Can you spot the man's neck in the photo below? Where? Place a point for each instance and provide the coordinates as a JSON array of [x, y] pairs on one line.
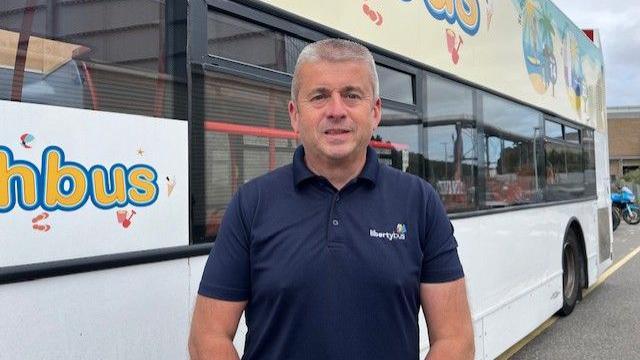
[[338, 173]]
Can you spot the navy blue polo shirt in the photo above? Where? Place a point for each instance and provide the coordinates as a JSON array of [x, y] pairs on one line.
[[331, 274]]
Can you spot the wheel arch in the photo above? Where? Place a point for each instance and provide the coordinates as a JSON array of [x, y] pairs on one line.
[[574, 224]]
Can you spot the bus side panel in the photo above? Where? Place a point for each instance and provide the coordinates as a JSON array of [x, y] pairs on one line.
[[605, 230], [77, 183], [197, 267], [136, 312], [511, 297]]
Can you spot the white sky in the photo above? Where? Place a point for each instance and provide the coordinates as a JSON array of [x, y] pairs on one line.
[[620, 36]]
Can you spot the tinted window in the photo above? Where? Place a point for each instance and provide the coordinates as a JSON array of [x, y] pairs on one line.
[[571, 135], [450, 133], [397, 141], [395, 85], [111, 56], [511, 162], [564, 173], [247, 42], [246, 134], [553, 130], [448, 100]]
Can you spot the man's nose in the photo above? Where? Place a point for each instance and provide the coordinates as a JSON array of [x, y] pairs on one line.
[[336, 108]]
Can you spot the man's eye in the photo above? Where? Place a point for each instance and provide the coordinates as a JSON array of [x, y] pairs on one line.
[[318, 97], [352, 96]]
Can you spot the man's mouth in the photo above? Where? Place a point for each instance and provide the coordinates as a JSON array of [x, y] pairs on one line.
[[336, 131]]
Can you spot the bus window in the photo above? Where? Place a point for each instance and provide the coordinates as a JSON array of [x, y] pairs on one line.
[[48, 77], [571, 134], [510, 151], [564, 171], [450, 132], [247, 42], [401, 130], [247, 133], [553, 130], [91, 62], [396, 85]]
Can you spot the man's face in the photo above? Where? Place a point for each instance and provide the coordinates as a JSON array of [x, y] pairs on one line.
[[335, 113]]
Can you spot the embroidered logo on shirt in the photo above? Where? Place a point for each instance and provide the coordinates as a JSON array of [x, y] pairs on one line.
[[400, 233]]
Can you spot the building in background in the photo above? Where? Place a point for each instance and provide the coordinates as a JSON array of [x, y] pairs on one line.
[[624, 139]]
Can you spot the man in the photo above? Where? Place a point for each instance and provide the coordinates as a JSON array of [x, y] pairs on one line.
[[332, 255]]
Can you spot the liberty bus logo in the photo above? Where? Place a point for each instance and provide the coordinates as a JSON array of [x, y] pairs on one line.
[[400, 233]]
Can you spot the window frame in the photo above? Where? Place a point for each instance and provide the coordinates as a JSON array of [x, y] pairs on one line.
[[271, 17]]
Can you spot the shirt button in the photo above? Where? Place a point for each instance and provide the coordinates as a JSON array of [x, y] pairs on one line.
[[335, 222]]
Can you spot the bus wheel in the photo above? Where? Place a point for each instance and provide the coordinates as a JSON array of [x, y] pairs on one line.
[[571, 270]]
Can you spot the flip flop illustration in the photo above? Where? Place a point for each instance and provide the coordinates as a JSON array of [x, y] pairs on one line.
[[37, 225], [375, 16]]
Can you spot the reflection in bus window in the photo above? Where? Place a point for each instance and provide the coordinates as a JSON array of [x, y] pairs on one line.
[[511, 153], [452, 164], [571, 134], [564, 172], [49, 77], [90, 62], [450, 132], [447, 99], [395, 85], [240, 40], [553, 130], [401, 129], [247, 134]]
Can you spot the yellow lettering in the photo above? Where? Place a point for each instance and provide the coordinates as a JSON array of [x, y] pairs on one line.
[[55, 175], [143, 190], [118, 192], [440, 5], [470, 19], [26, 175]]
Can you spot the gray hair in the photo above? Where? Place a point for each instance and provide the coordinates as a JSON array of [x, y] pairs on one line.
[[334, 50]]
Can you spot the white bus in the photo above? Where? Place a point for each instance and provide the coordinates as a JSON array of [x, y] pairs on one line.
[[127, 126]]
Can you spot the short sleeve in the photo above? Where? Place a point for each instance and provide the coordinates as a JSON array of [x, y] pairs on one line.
[[226, 275], [440, 261]]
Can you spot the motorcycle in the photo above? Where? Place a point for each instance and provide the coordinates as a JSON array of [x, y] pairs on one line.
[[624, 201]]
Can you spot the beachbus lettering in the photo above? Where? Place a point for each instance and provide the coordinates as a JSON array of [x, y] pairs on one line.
[[465, 12], [66, 185]]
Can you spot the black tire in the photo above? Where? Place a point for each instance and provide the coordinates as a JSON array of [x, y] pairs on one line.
[[631, 217], [571, 272], [615, 216]]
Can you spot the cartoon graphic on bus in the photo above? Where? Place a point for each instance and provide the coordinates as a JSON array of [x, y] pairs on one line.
[[538, 32], [373, 15], [573, 72]]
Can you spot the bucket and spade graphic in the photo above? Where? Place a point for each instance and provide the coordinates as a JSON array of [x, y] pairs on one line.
[[123, 219], [454, 49]]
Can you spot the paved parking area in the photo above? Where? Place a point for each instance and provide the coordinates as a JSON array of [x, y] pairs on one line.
[[606, 324]]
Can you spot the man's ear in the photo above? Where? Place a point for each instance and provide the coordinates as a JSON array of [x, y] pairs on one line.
[[377, 113], [293, 116]]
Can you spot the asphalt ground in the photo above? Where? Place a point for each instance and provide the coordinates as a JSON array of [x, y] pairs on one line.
[[606, 323]]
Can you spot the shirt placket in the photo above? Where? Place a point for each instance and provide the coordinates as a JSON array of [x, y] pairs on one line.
[[334, 226]]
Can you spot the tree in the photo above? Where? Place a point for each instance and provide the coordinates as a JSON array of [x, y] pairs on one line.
[[632, 176]]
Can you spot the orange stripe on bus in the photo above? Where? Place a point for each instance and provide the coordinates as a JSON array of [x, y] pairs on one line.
[[267, 132]]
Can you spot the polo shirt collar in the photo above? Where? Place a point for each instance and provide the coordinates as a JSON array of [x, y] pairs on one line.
[[301, 172]]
